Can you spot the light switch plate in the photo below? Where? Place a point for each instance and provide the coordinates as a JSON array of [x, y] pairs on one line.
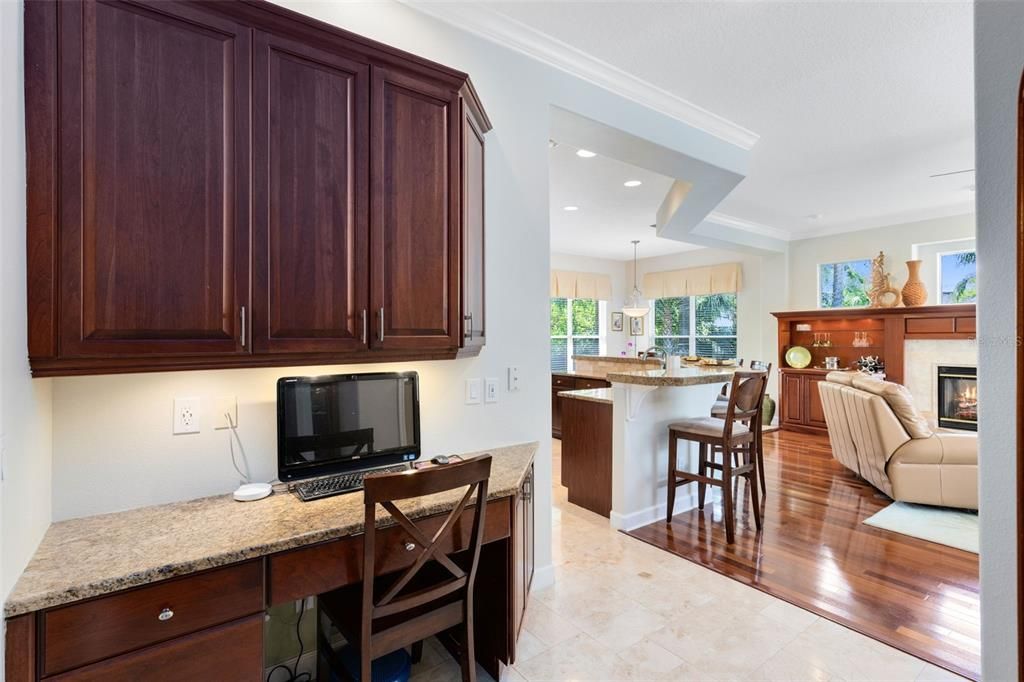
[[473, 391], [186, 415], [226, 406], [491, 390]]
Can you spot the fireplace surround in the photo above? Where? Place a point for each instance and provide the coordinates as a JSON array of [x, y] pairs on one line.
[[957, 398]]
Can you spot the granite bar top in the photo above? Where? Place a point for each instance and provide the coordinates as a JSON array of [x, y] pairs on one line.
[[582, 375], [597, 395], [624, 359], [96, 555], [682, 376]]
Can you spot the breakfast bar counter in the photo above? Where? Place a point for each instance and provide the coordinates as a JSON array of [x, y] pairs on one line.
[[644, 403]]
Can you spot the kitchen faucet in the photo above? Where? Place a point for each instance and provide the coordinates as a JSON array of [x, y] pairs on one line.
[[658, 352]]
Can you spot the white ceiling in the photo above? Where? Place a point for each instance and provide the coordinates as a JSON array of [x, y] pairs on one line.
[[610, 215], [856, 105]]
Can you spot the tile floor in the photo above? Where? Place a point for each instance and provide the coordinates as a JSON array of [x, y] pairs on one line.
[[620, 609]]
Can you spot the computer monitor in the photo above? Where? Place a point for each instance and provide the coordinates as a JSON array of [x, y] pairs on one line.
[[333, 424]]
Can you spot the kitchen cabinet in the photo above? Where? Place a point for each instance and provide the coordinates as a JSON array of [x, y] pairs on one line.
[[312, 181], [568, 382], [522, 551], [151, 252], [236, 185]]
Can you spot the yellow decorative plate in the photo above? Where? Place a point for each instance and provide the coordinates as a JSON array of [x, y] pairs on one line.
[[798, 357]]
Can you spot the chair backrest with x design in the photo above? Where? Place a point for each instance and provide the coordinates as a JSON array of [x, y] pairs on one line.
[[385, 490]]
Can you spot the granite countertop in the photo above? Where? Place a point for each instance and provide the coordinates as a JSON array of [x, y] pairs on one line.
[[683, 376], [96, 555], [625, 359], [597, 395], [581, 375]]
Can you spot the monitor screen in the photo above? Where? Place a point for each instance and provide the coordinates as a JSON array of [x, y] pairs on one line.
[[332, 424]]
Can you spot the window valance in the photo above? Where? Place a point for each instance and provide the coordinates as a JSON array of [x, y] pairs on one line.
[[568, 284], [724, 278]]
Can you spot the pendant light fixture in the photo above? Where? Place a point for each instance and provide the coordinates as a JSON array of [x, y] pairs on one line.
[[635, 306]]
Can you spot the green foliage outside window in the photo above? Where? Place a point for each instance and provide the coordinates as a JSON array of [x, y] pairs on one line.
[[844, 285]]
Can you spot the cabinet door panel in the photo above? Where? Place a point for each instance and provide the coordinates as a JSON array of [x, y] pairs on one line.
[[154, 177], [415, 227], [311, 230], [473, 322], [792, 398], [815, 410]]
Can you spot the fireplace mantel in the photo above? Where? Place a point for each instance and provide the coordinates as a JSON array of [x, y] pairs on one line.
[[888, 329]]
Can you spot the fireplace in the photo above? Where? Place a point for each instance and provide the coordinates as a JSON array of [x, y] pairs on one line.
[[958, 398]]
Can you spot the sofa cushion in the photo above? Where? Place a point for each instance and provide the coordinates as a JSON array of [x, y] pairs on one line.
[[944, 448], [844, 378], [901, 402]]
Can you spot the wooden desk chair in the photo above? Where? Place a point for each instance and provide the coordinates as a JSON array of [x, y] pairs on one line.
[[722, 403], [435, 594], [728, 435]]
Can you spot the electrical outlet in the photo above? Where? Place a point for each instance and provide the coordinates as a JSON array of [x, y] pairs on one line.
[[491, 390], [473, 389], [513, 379], [226, 408], [186, 415]]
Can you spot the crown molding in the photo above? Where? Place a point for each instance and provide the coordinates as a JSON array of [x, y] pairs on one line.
[[499, 28], [748, 226], [889, 220]]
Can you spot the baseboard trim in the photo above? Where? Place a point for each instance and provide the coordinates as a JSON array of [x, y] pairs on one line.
[[684, 502], [543, 576]]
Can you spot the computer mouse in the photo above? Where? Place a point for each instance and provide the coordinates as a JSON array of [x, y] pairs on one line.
[[440, 459]]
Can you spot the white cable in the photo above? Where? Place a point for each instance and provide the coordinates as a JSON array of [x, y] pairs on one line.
[[247, 477]]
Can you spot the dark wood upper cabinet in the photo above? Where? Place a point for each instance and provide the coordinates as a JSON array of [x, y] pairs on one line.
[[310, 229], [231, 184], [153, 217], [415, 212], [474, 330]]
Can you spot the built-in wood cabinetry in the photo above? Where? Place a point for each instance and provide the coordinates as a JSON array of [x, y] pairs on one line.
[[568, 382], [522, 554], [232, 184], [886, 331]]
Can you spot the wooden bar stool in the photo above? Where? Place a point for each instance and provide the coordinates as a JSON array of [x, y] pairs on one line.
[[728, 435], [718, 410], [387, 612]]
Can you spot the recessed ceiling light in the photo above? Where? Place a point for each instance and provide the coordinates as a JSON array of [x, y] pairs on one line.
[[570, 208], [632, 183], [585, 154]]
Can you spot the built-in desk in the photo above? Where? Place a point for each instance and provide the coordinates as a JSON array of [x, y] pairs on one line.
[[178, 591]]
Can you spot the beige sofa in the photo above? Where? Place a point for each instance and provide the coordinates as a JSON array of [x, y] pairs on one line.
[[876, 432]]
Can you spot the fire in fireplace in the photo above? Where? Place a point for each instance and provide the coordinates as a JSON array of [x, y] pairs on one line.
[[958, 398]]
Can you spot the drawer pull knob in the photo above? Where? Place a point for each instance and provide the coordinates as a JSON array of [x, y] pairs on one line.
[[166, 614], [410, 546]]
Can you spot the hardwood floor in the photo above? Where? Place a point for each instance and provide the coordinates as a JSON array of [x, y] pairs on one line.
[[816, 553]]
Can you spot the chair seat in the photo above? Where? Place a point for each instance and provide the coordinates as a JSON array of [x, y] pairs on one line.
[[707, 426]]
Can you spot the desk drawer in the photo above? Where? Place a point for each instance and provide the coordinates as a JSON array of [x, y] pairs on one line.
[[228, 653], [100, 628], [329, 565]]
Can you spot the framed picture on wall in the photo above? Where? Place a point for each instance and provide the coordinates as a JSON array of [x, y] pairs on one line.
[[636, 326], [617, 322]]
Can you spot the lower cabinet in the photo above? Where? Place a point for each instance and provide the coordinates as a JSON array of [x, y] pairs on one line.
[[568, 382], [228, 653], [587, 454], [522, 554], [799, 402]]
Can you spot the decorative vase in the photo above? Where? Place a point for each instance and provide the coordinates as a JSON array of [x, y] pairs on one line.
[[768, 410], [914, 293]]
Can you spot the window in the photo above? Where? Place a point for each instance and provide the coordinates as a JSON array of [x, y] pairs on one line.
[[576, 329], [958, 277], [844, 285], [697, 325]]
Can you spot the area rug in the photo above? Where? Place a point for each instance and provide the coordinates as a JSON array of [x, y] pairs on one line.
[[949, 527]]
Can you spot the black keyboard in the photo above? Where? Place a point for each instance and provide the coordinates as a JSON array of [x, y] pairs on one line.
[[337, 485]]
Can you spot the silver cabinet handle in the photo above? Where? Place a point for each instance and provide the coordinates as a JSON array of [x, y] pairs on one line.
[[166, 614], [364, 326], [409, 546], [380, 336], [469, 318], [241, 315]]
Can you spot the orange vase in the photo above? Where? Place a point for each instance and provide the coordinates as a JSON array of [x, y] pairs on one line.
[[914, 293]]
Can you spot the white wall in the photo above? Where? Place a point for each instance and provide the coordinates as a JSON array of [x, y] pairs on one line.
[[616, 269], [113, 447], [999, 57], [897, 241], [24, 402]]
